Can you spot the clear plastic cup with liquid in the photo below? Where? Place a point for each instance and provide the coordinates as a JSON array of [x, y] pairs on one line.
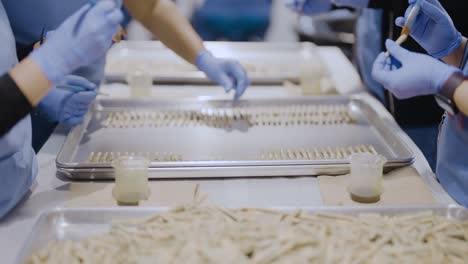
[[140, 83], [311, 71], [366, 177], [131, 179]]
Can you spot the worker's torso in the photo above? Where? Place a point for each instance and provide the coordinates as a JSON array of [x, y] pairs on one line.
[[452, 158], [18, 166], [28, 18], [8, 143], [7, 59]]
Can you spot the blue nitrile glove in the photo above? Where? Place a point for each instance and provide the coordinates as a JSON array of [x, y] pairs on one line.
[[310, 7], [407, 74], [433, 29], [228, 73], [69, 101], [65, 51]]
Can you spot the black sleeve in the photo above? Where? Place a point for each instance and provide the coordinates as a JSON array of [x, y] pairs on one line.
[[13, 104], [22, 51]]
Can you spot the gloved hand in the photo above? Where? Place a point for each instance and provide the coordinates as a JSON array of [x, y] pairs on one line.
[[228, 73], [433, 29], [407, 74], [69, 101], [66, 51], [313, 7]]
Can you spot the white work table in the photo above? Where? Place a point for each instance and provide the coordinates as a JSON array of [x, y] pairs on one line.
[[51, 191]]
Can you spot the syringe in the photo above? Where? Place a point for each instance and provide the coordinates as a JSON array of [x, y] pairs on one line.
[[405, 32]]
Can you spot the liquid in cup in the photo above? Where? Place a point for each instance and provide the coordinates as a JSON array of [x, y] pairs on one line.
[[131, 180], [366, 177], [311, 72], [140, 83]]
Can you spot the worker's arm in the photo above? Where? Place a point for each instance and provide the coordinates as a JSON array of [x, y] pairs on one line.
[[31, 80], [461, 98], [27, 86], [66, 51], [164, 20], [22, 88], [456, 57]]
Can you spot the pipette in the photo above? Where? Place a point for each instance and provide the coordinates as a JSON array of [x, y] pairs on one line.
[[405, 32]]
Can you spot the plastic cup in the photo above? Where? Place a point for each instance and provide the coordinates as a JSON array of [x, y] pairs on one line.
[[311, 72], [140, 83], [131, 180], [366, 177]]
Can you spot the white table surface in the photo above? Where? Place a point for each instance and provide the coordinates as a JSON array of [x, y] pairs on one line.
[[50, 191]]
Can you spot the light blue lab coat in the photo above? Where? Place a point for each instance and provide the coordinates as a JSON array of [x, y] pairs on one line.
[[18, 165], [452, 156]]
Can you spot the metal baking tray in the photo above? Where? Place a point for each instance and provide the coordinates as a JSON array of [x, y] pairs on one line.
[[251, 145], [80, 223], [266, 63]]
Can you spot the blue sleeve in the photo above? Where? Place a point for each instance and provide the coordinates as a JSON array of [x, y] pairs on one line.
[[18, 165]]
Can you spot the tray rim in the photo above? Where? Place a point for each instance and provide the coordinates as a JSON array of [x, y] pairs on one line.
[[70, 167], [60, 211], [311, 209], [197, 76]]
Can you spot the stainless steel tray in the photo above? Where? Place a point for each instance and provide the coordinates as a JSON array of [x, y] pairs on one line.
[[266, 63], [269, 137], [79, 223]]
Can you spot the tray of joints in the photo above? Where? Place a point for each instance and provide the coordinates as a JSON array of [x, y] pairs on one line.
[[216, 138]]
